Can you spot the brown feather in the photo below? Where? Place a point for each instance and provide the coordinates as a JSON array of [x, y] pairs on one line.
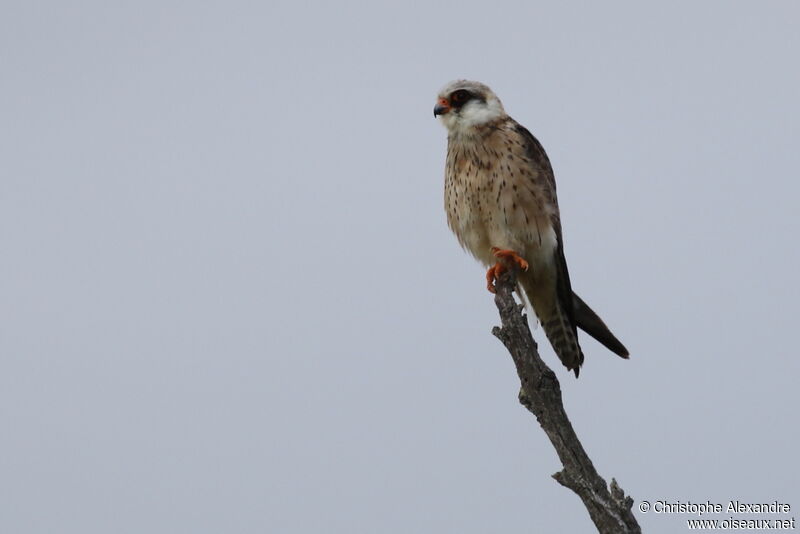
[[500, 191]]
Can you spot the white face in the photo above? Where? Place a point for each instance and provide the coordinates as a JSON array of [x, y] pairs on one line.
[[464, 105]]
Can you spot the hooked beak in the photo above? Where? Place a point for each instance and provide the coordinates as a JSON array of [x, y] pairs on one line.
[[441, 107]]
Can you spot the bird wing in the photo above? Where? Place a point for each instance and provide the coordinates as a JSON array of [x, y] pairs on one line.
[[538, 157], [578, 313]]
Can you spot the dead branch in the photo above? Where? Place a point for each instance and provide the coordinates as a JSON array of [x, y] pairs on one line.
[[540, 393]]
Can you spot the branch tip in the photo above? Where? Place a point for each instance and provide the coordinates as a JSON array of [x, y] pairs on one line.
[[540, 393]]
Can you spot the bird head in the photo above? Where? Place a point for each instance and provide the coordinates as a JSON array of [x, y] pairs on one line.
[[464, 104]]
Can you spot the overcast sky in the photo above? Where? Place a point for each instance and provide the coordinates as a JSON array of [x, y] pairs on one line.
[[229, 300]]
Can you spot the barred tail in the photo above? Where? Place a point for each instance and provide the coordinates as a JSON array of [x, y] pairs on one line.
[[563, 336], [556, 322]]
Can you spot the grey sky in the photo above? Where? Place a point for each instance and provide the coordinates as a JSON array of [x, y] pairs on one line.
[[229, 301]]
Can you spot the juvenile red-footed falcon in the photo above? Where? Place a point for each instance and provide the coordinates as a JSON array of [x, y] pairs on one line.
[[500, 197]]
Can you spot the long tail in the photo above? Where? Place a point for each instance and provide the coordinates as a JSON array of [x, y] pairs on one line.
[[557, 323], [563, 336], [588, 321]]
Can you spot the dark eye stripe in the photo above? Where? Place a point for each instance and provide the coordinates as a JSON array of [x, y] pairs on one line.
[[462, 96]]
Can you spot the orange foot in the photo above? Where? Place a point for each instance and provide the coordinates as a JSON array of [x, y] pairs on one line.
[[493, 274], [507, 258]]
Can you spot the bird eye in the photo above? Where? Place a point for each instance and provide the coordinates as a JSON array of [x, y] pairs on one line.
[[459, 96]]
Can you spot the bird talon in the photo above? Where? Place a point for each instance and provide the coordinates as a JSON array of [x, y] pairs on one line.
[[492, 275], [510, 257]]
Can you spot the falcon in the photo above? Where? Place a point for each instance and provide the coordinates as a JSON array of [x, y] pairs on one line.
[[500, 198]]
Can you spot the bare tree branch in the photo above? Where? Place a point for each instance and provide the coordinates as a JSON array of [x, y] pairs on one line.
[[609, 508]]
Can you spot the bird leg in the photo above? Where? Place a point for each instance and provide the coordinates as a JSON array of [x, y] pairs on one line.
[[508, 260], [510, 257]]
